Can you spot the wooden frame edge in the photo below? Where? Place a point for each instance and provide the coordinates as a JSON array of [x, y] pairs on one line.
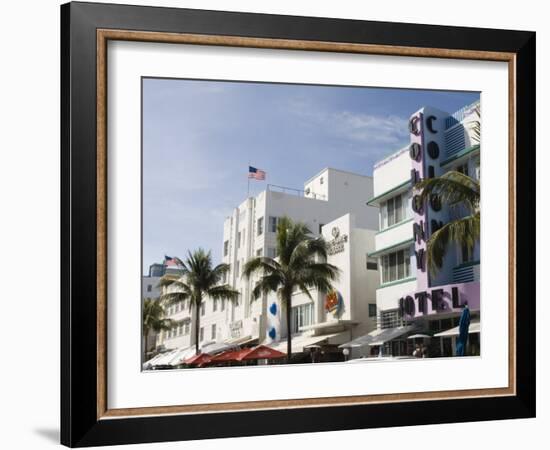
[[103, 35]]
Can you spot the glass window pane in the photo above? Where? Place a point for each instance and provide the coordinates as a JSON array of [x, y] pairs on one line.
[[391, 212], [398, 209], [393, 267], [400, 265]]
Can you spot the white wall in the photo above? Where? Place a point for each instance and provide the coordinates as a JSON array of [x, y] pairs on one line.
[[391, 171], [30, 402]]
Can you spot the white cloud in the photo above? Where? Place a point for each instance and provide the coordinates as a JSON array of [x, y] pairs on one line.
[[388, 130]]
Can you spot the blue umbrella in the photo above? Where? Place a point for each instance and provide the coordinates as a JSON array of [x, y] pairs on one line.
[[463, 326]]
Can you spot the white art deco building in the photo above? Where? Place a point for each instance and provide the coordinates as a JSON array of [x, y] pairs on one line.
[[332, 203]]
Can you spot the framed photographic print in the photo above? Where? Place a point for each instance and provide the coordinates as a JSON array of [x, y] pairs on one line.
[[283, 220]]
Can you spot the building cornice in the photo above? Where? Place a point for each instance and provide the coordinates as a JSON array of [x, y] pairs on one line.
[[394, 190], [391, 247]]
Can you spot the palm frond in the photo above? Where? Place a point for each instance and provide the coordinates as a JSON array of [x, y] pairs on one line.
[[260, 264], [223, 292], [306, 250], [452, 188], [266, 284], [464, 232]]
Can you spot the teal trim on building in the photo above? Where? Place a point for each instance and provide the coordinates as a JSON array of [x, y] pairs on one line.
[[460, 154], [393, 283], [395, 225], [388, 192], [391, 247]]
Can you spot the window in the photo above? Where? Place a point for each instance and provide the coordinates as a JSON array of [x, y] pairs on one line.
[[394, 210], [225, 248], [180, 330], [213, 332], [273, 224], [321, 180], [149, 287], [238, 268], [271, 252], [372, 309], [396, 266], [203, 309], [260, 226], [321, 225], [391, 319], [215, 304], [301, 316], [372, 263], [223, 304], [259, 252], [186, 328], [239, 239], [226, 274], [201, 334]]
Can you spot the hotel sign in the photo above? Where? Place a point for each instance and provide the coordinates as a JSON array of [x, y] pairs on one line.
[[337, 244], [440, 299]]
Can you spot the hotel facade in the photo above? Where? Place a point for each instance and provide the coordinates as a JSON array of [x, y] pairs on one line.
[[410, 301]]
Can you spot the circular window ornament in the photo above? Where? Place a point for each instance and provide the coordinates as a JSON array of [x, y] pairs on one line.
[[414, 151], [414, 125], [433, 150]]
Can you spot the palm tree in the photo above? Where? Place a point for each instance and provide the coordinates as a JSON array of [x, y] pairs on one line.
[[458, 191], [199, 280], [153, 320], [299, 266]]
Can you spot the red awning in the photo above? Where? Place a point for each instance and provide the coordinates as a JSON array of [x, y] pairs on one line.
[[259, 352], [228, 355], [201, 358]]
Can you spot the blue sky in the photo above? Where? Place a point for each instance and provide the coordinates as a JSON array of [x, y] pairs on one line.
[[199, 137]]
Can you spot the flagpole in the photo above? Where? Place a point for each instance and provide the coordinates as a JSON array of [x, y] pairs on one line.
[[248, 181]]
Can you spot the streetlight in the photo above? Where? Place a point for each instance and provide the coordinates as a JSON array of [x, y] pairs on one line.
[[345, 351]]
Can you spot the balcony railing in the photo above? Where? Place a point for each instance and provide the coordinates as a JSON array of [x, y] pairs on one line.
[[296, 192]]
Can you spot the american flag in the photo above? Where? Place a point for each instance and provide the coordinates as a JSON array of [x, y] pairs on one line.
[[173, 262], [257, 174]]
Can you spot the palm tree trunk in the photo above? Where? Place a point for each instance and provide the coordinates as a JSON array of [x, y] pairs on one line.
[[288, 330], [197, 327]]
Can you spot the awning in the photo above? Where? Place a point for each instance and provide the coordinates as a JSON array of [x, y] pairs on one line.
[[299, 343], [180, 355], [420, 336], [197, 360], [259, 352], [379, 336], [217, 347], [161, 360], [244, 340], [474, 328], [228, 355]]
